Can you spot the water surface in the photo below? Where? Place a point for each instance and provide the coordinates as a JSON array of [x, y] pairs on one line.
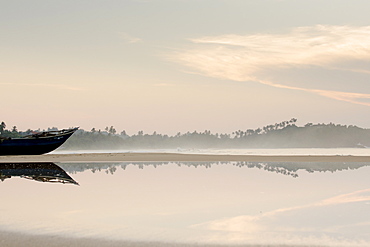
[[240, 151], [324, 204]]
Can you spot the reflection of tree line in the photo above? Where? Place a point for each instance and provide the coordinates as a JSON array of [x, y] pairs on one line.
[[284, 168], [267, 167]]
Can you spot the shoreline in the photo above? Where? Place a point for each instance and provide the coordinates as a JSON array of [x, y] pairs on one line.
[[175, 157]]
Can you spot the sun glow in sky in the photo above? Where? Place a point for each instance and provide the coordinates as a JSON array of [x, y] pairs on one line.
[[183, 65]]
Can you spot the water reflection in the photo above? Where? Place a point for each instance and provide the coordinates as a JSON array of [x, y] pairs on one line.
[[231, 203], [38, 171], [283, 168]]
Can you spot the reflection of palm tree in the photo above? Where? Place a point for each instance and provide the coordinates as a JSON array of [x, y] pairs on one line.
[[266, 167]]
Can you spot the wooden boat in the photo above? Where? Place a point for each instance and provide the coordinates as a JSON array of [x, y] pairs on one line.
[[39, 143], [38, 171]]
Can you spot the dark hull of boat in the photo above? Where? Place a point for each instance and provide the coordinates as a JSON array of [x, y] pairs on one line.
[[32, 146], [39, 171]]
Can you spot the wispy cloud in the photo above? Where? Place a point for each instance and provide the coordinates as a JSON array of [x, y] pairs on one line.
[[259, 57], [128, 38], [355, 98]]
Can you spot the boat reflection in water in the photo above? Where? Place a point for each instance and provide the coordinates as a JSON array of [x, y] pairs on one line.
[[39, 171]]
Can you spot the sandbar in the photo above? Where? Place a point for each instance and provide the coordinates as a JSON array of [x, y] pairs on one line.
[[176, 157]]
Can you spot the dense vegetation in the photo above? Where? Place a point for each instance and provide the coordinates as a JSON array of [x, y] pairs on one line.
[[279, 135], [14, 133]]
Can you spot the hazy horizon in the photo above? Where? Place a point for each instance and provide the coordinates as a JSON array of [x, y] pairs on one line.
[[175, 66]]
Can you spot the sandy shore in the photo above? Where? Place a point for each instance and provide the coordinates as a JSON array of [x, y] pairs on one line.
[[118, 157]]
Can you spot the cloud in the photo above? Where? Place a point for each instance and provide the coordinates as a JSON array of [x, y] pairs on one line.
[[355, 98], [265, 58], [129, 38]]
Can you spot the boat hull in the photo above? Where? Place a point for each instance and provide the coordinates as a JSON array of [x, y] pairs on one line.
[[38, 171], [32, 146]]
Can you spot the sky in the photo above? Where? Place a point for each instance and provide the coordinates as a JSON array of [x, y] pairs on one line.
[[183, 65]]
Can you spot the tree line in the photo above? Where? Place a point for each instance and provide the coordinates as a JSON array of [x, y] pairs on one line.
[[285, 134], [14, 133]]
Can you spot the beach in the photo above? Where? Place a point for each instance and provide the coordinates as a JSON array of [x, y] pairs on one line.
[[168, 157]]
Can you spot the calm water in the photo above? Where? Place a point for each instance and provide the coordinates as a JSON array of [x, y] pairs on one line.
[[254, 151], [326, 204]]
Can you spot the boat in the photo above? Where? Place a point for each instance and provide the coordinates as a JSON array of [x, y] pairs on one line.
[[38, 171], [35, 144]]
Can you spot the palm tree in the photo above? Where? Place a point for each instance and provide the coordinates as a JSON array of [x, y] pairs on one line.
[[112, 130], [293, 121], [2, 127]]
